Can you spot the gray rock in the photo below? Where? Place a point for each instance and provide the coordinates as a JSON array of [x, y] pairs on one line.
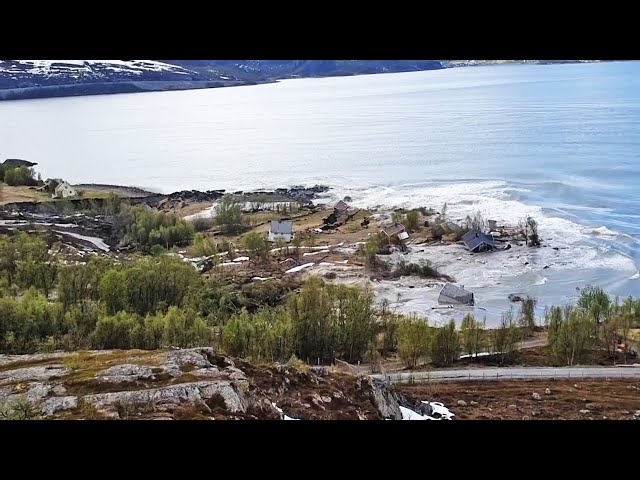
[[326, 399], [198, 357], [37, 391], [536, 396], [338, 394], [125, 373], [474, 403], [547, 391], [592, 406], [235, 373], [383, 398], [55, 404], [6, 391], [206, 372], [512, 407], [42, 372], [585, 411], [59, 390], [636, 413], [233, 398], [462, 403]]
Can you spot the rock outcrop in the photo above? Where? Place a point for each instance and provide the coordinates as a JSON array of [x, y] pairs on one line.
[[189, 383]]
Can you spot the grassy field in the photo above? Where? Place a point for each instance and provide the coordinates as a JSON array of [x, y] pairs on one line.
[[10, 194]]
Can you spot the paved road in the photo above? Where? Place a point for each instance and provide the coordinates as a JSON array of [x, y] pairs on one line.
[[516, 372]]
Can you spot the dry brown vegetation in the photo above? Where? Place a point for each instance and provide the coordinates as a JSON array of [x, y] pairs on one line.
[[615, 399]]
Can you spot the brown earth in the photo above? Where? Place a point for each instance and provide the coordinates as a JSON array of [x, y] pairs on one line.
[[9, 194], [615, 399]]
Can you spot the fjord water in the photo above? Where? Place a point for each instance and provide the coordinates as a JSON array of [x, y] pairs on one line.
[[559, 142]]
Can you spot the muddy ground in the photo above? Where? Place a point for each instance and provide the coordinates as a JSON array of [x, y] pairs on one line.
[[615, 399]]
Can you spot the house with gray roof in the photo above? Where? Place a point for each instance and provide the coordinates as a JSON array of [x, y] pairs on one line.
[[476, 241], [281, 230], [451, 294]]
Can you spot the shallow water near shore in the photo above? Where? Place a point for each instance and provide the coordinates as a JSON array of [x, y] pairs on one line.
[[558, 142]]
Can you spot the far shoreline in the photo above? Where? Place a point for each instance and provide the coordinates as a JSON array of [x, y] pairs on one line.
[[127, 87]]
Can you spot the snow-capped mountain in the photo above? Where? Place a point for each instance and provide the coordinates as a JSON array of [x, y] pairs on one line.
[[34, 73]]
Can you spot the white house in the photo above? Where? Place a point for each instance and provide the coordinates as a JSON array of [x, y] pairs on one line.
[[64, 190], [281, 230]]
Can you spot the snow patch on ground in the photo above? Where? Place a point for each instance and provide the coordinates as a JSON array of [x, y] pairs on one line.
[[299, 268]]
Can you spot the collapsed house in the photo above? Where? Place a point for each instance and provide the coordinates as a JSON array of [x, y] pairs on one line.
[[476, 241], [340, 215], [451, 294], [281, 230], [395, 234]]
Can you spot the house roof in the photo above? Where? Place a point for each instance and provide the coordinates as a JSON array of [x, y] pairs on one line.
[[456, 293], [395, 230], [475, 238], [283, 227], [341, 206]]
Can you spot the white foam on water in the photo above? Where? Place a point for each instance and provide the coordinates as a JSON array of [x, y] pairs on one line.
[[491, 198]]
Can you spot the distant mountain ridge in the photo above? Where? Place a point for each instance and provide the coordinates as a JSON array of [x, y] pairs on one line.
[[22, 79]]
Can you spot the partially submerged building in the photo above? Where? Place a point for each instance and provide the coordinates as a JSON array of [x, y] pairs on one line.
[[451, 294], [394, 234], [281, 230], [476, 241]]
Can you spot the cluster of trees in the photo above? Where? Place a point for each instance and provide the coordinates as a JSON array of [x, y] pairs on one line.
[[97, 304], [418, 342], [322, 321], [17, 175], [229, 216], [595, 322], [528, 228], [33, 323], [147, 228], [25, 262]]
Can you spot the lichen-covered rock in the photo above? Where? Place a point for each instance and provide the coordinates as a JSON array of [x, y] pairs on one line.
[[37, 391], [196, 357], [233, 398], [55, 404], [42, 372], [5, 391], [125, 373]]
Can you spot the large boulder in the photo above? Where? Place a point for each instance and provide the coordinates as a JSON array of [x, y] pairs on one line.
[[382, 397]]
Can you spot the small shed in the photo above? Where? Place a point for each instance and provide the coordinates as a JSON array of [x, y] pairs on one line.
[[64, 190], [476, 241], [452, 294], [396, 232], [281, 230]]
